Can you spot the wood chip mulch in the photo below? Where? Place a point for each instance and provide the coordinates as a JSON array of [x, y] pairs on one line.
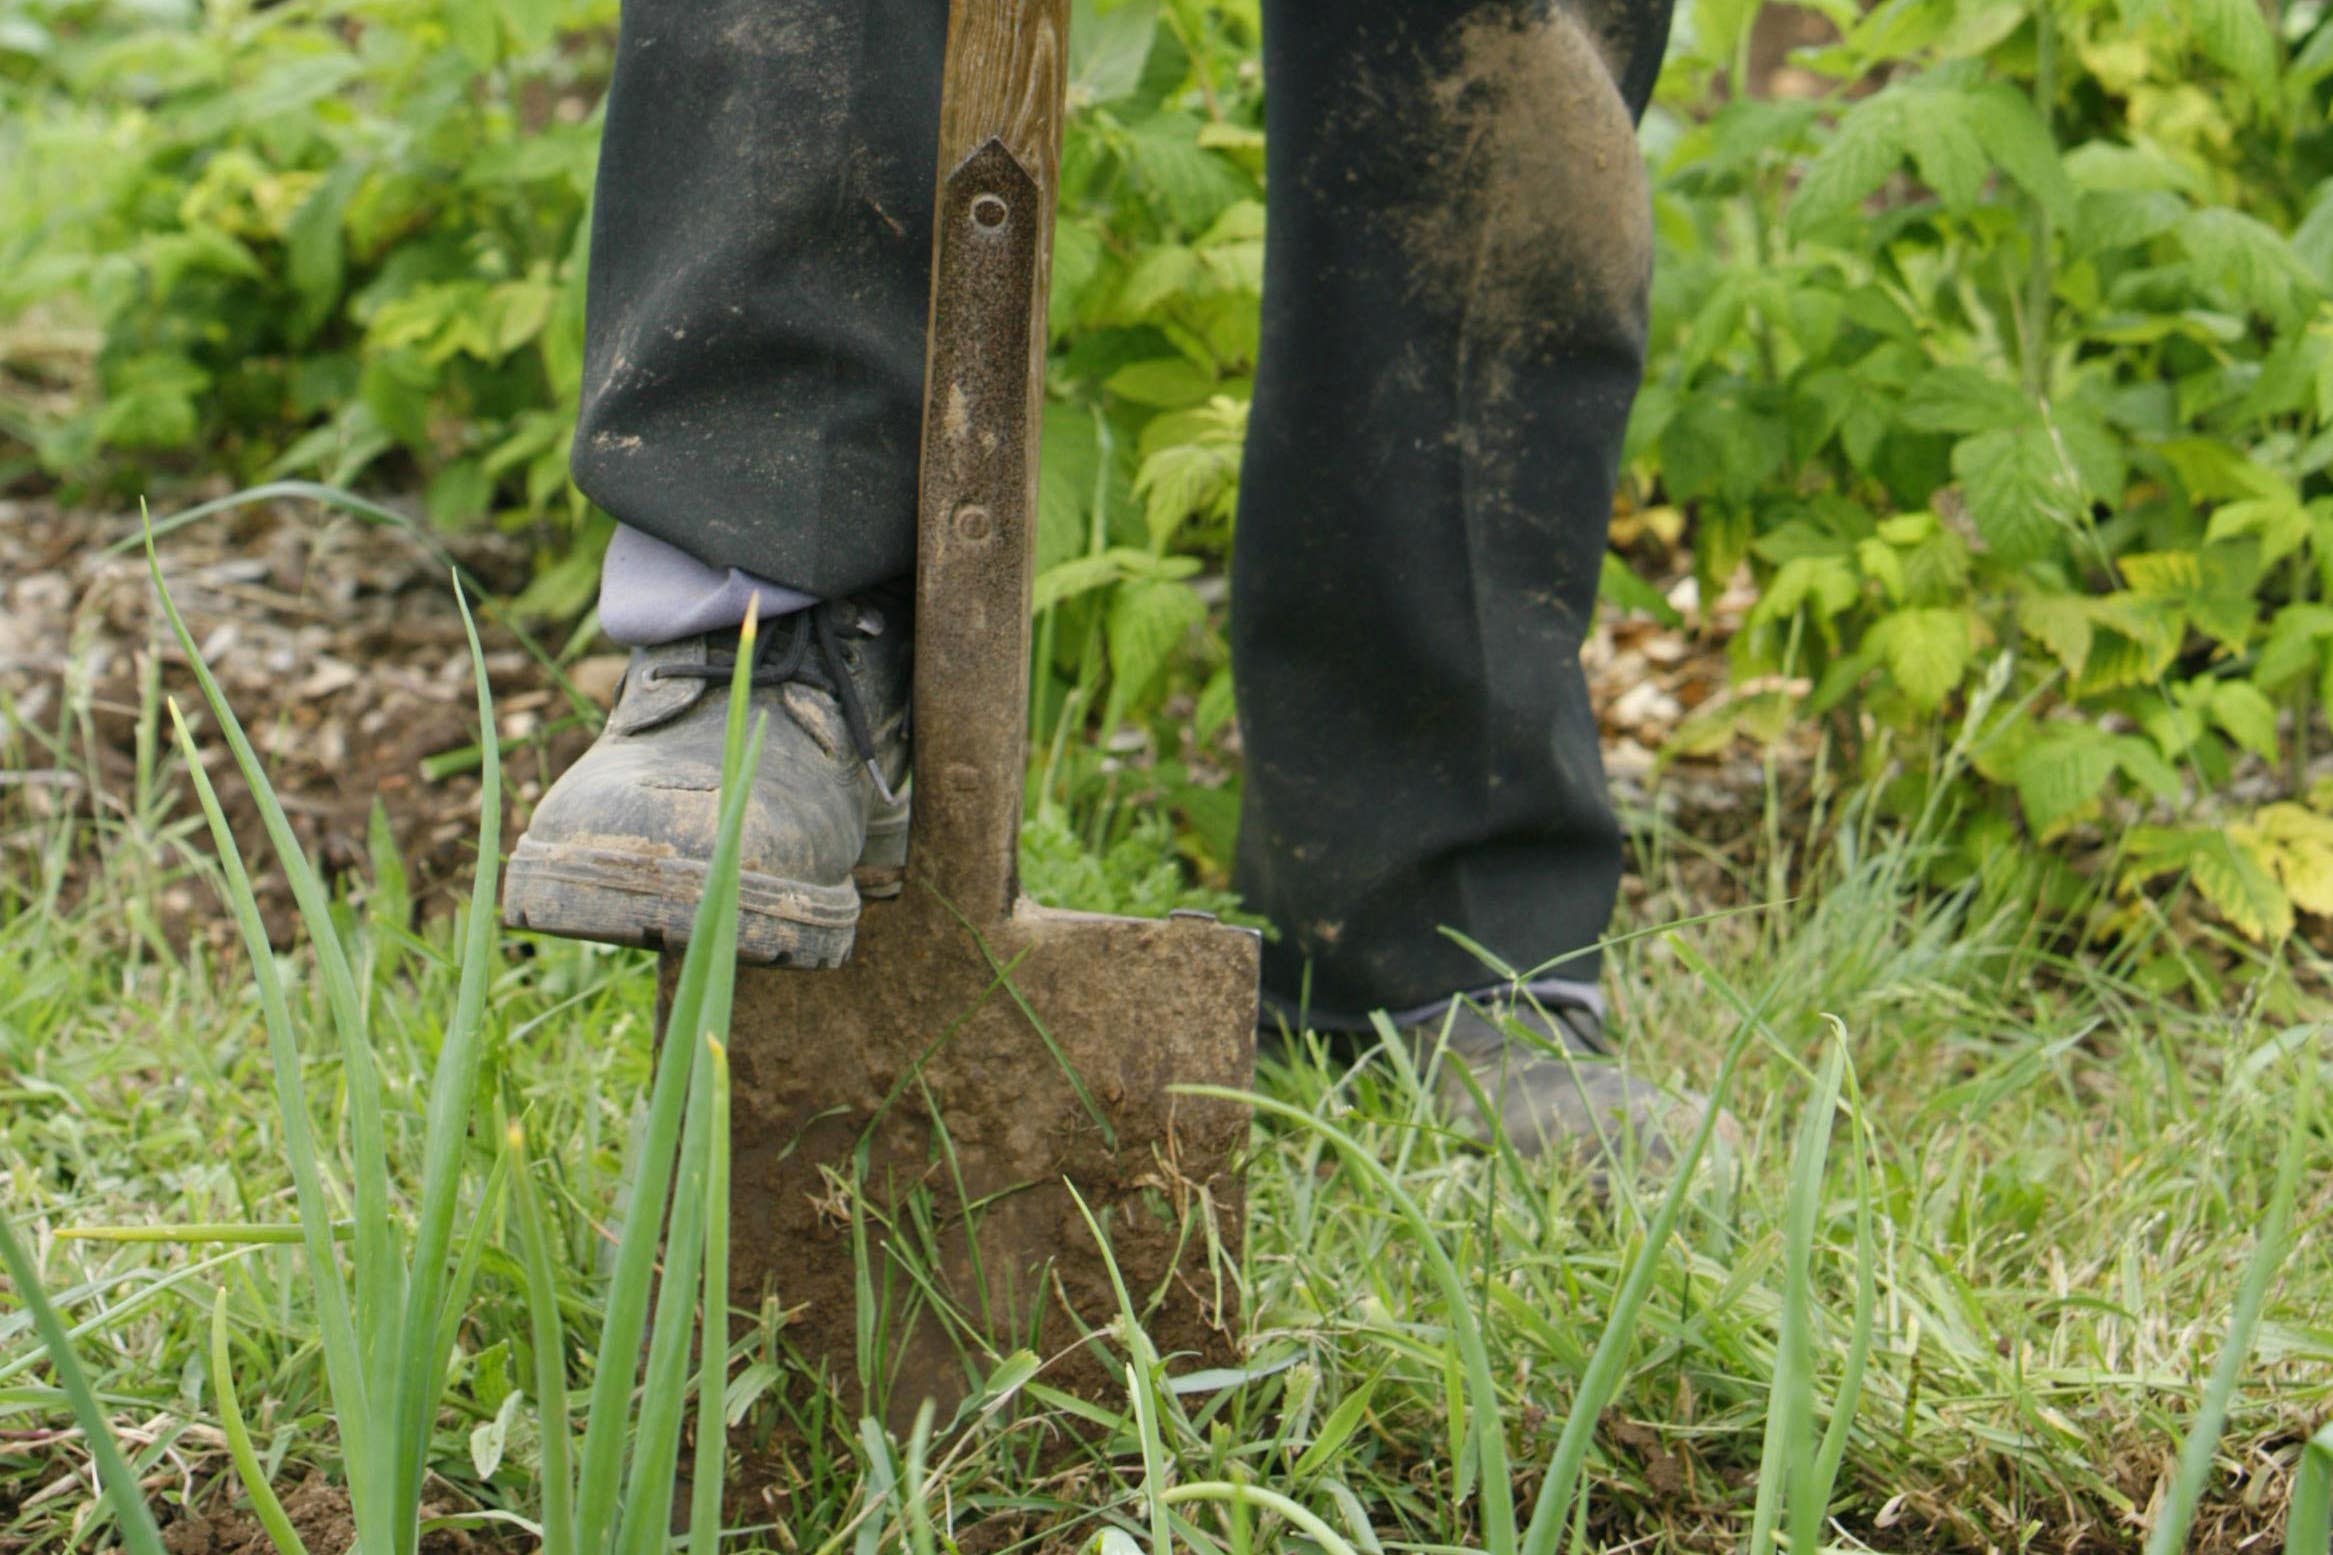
[[337, 642]]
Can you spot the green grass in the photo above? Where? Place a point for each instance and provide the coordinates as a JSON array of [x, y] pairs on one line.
[[1965, 1287]]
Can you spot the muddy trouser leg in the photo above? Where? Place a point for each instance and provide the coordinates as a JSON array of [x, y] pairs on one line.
[[1454, 329], [760, 275]]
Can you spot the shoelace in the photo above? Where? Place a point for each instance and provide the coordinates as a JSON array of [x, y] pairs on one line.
[[797, 664]]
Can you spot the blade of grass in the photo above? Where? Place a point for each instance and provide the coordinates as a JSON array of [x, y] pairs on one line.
[[919, 1509], [2308, 1522], [1602, 1377], [648, 1491], [2203, 1437], [1850, 1395], [129, 1501], [146, 1297], [877, 1489], [656, 1449], [550, 1342], [1792, 1425], [452, 1093], [264, 1505], [456, 1304], [1141, 1379], [626, 1318], [378, 1273], [1498, 1488], [627, 1311], [343, 1360], [713, 1370], [1304, 1521], [262, 1234]]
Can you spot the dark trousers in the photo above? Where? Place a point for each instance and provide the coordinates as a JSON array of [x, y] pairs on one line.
[[1453, 330]]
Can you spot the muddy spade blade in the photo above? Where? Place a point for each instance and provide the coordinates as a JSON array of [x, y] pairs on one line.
[[913, 1132]]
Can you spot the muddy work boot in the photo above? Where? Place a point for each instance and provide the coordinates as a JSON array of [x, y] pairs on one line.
[[1552, 1084], [618, 849]]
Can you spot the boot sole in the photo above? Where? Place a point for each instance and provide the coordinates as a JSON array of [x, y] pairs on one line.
[[624, 898]]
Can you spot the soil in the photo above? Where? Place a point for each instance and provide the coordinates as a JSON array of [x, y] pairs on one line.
[[319, 1513], [338, 643]]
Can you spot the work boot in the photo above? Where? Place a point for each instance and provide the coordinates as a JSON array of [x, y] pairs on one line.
[[1555, 1088], [619, 847]]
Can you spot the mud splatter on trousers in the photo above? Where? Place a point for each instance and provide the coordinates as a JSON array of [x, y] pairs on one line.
[[1453, 331]]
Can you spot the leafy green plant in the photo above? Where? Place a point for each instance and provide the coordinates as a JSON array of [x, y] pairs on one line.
[[2017, 339], [338, 238]]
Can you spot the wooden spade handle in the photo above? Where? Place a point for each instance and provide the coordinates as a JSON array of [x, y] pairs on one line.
[[984, 384], [1008, 64]]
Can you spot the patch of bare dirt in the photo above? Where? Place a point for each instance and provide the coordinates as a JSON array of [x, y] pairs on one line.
[[340, 646], [319, 1513]]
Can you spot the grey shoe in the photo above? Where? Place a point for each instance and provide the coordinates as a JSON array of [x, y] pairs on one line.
[[1549, 1078], [617, 850]]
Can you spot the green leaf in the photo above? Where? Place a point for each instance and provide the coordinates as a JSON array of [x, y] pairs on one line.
[[2236, 884], [1828, 583], [2017, 489], [1195, 185], [1148, 621], [2281, 523], [1191, 466], [2162, 574], [1167, 382], [2241, 888], [2062, 775], [1158, 275], [473, 27], [2022, 146], [1107, 50], [136, 1520], [2061, 624], [2294, 645], [531, 23], [315, 259], [2144, 765], [1869, 142], [1116, 565], [2234, 35], [1720, 25], [1334, 1432], [1926, 652], [1945, 147], [1619, 587], [2243, 262], [2245, 716], [1964, 400], [1883, 564], [2296, 845], [490, 1439], [1070, 460]]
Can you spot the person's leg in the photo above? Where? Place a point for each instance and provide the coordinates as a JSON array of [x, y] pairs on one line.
[[752, 405], [1454, 328], [760, 275]]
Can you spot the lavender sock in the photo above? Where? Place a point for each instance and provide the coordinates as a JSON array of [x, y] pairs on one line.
[[651, 592]]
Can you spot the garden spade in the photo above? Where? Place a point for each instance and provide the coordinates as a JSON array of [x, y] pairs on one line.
[[967, 1140]]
